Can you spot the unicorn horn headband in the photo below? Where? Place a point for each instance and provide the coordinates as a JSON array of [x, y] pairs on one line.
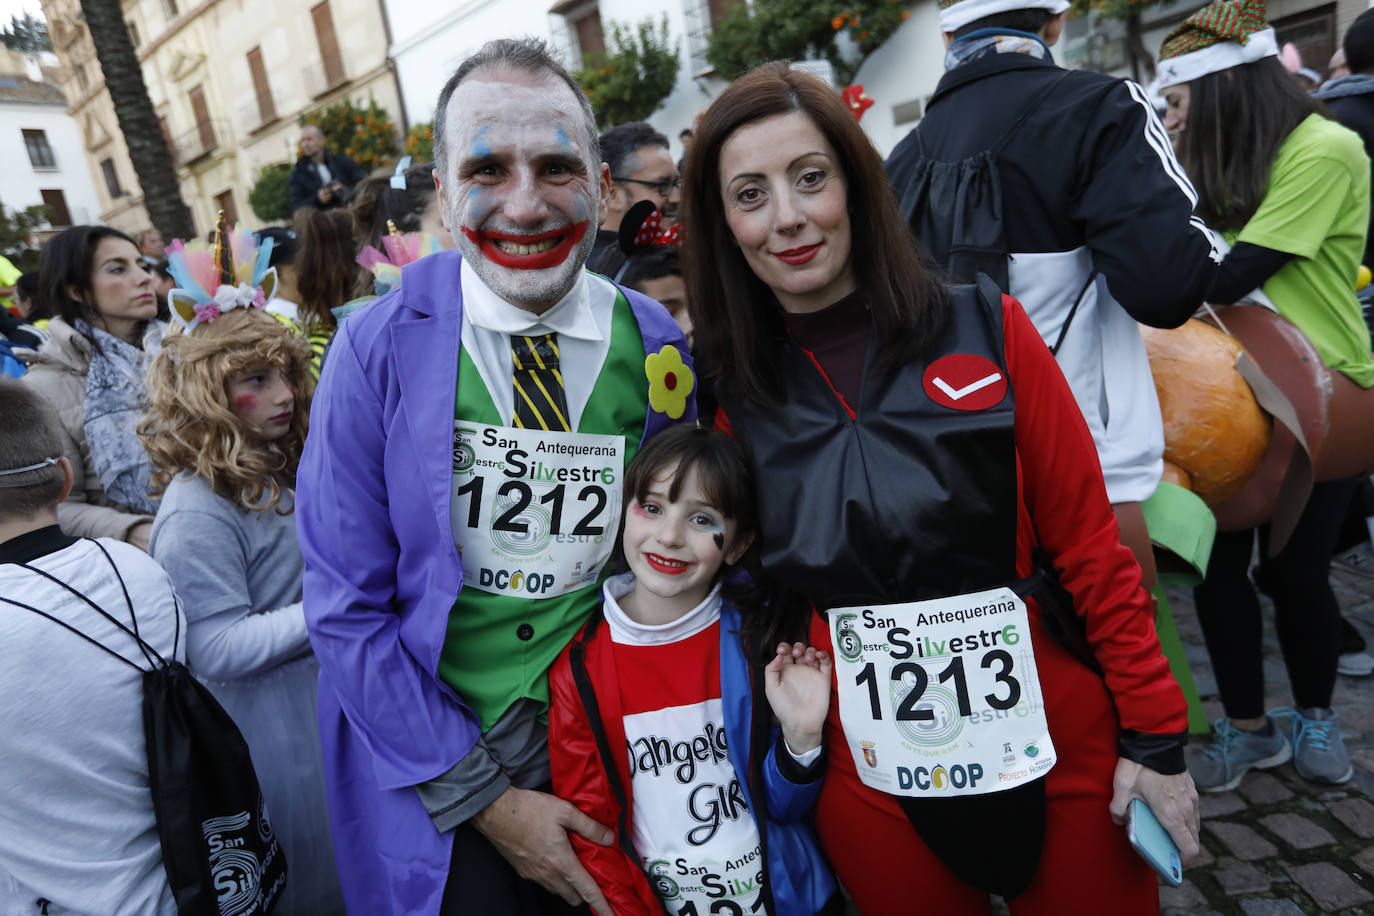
[[233, 271], [400, 249]]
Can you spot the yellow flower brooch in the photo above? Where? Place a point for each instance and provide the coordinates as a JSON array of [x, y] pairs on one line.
[[670, 381]]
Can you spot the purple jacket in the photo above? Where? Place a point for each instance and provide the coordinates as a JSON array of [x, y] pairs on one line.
[[382, 571]]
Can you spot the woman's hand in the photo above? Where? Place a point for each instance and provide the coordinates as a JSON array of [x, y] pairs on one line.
[[797, 684], [1173, 799], [138, 535]]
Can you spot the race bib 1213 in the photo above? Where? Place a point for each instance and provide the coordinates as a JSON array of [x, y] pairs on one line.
[[942, 698]]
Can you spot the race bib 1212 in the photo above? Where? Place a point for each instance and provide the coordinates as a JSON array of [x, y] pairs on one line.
[[535, 513]]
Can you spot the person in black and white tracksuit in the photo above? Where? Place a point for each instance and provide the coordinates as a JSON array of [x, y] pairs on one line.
[[1096, 212]]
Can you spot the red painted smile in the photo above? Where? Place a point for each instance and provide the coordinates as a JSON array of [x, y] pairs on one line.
[[666, 566], [528, 252], [798, 255]]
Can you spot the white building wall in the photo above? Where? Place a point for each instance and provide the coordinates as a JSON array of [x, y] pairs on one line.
[[20, 182], [429, 41]]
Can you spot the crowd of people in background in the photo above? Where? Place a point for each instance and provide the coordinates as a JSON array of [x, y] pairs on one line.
[[563, 525]]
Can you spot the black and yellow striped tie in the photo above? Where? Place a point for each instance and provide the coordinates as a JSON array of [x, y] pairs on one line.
[[540, 402]]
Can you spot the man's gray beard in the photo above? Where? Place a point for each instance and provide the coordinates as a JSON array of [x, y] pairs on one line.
[[524, 287]]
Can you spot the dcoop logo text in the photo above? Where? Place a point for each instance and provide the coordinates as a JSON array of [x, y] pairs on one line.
[[516, 581]]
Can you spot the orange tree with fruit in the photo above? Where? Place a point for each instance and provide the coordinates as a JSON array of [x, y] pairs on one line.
[[420, 142], [753, 33]]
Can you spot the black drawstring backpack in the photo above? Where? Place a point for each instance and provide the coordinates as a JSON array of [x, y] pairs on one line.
[[221, 855]]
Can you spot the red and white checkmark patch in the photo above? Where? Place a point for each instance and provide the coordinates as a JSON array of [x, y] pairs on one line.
[[962, 381]]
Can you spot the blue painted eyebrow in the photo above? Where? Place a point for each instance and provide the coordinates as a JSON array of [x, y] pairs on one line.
[[480, 147]]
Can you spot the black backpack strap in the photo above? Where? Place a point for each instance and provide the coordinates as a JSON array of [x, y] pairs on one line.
[[1057, 610], [991, 295], [150, 654], [577, 662], [66, 626], [1064, 329], [760, 738], [1025, 115]]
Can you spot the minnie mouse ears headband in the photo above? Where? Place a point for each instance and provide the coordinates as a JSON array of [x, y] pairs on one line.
[[641, 230], [642, 227], [212, 279]]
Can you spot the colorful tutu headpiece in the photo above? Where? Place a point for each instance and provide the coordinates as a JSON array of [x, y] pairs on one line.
[[213, 278]]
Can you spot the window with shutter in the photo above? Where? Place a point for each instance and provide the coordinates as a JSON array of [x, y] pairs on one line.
[[40, 153], [57, 207], [267, 108], [204, 129], [328, 42]]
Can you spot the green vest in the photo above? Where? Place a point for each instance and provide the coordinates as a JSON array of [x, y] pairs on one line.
[[499, 647]]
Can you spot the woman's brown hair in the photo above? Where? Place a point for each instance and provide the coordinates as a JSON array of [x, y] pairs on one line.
[[325, 267], [737, 320], [1238, 120], [189, 425]]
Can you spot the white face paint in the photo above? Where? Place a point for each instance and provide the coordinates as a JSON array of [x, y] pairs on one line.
[[520, 189]]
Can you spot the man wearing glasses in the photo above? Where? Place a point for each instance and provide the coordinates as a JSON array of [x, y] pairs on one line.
[[642, 168]]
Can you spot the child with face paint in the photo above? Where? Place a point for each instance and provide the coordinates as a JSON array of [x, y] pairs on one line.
[[666, 672], [230, 401]]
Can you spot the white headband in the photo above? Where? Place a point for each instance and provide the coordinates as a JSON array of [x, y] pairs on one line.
[[45, 463], [1214, 58]]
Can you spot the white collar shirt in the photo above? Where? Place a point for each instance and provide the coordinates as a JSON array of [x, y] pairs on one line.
[[581, 319]]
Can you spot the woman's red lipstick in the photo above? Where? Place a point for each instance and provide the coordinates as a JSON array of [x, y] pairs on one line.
[[568, 237], [798, 255]]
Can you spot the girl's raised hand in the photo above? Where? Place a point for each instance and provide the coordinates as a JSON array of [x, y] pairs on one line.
[[797, 684]]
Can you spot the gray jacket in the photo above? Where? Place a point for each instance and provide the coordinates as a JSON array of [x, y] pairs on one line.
[[58, 372]]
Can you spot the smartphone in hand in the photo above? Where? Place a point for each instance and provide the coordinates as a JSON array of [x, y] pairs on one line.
[[1153, 842]]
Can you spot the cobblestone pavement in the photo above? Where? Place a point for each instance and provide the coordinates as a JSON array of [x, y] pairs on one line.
[[1278, 844]]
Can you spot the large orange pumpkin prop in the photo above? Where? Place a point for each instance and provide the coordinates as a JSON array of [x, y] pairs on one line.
[[1214, 432]]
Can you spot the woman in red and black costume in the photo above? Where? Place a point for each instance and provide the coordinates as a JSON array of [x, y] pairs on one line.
[[915, 442]]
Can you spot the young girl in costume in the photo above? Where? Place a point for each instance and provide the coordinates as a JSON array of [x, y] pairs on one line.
[[1289, 188], [230, 400], [665, 672]]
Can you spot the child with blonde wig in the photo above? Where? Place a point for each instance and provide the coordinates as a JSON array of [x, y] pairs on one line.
[[230, 399]]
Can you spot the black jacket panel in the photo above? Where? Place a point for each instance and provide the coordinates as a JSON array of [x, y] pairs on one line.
[[1092, 168], [1357, 113]]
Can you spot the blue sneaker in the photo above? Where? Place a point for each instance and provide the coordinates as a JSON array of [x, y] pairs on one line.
[[1222, 764], [1319, 753]]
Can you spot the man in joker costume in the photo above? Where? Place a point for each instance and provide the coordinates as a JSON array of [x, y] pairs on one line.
[[458, 500]]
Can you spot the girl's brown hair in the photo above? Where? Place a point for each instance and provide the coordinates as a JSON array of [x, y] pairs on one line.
[[722, 471], [189, 426], [737, 320], [325, 267]]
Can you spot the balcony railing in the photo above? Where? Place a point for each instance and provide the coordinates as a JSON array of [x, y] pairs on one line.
[[252, 114], [199, 141], [316, 78]]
